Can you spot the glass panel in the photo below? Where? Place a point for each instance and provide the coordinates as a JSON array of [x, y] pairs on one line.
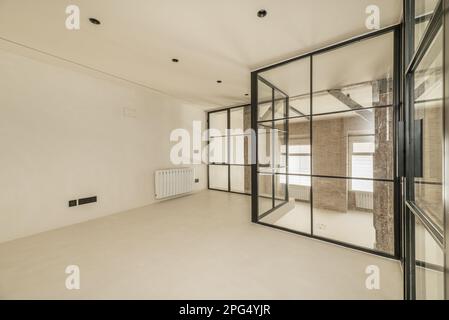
[[364, 219], [280, 105], [218, 177], [265, 100], [218, 150], [240, 120], [423, 12], [299, 106], [356, 144], [265, 193], [218, 124], [265, 147], [279, 148], [295, 215], [429, 265], [237, 120], [299, 160], [293, 79], [355, 76], [280, 191], [429, 117], [241, 179], [240, 149]]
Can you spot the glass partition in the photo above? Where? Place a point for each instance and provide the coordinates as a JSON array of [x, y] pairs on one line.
[[326, 145], [425, 220], [424, 10], [429, 265], [428, 117], [229, 150]]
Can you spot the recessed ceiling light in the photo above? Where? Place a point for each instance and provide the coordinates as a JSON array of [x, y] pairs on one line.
[[94, 21], [246, 94], [219, 81], [175, 60], [262, 13]]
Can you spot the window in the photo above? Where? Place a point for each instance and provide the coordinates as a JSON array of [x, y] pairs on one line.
[[362, 162], [299, 162]]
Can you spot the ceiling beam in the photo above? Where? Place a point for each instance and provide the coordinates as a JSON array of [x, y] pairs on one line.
[[349, 102], [432, 79], [299, 112]]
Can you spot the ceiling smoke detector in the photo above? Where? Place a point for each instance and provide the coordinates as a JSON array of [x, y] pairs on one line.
[[94, 21]]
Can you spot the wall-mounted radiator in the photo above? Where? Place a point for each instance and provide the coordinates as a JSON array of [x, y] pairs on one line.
[[364, 200], [300, 193], [173, 182]]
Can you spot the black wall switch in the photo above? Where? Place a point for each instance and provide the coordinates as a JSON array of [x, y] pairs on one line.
[[197, 180], [73, 203]]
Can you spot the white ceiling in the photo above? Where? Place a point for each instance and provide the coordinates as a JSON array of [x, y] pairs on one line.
[[214, 40], [359, 62]]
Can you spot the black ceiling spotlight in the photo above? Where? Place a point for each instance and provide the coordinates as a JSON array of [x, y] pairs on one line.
[[175, 60], [246, 94], [219, 81], [94, 21], [262, 13]]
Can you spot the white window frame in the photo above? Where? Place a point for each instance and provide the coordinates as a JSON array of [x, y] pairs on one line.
[[351, 141], [283, 178]]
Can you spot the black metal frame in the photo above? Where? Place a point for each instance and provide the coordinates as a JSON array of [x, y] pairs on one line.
[[396, 30], [412, 212], [228, 164], [446, 145]]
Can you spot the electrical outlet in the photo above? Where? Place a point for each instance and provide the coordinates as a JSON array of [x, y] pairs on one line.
[[73, 203], [197, 180]]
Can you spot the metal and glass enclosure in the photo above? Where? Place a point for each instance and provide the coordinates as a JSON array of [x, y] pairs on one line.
[[324, 161], [425, 93], [349, 145], [229, 167]]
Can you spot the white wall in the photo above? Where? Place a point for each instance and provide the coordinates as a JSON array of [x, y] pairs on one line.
[[64, 135]]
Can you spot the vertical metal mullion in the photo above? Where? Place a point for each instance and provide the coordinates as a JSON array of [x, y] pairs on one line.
[[287, 147], [208, 150], [228, 135], [446, 142], [409, 268], [254, 149], [273, 156], [311, 144], [396, 106]]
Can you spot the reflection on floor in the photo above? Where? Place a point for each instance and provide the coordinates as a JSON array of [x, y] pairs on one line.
[[430, 265], [354, 227], [197, 247]]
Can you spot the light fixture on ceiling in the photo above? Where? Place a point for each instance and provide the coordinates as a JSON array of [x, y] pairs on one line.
[[246, 94], [219, 81], [262, 13], [175, 60], [94, 21]]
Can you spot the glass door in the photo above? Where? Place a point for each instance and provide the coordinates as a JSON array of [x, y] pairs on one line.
[[272, 162], [424, 225]]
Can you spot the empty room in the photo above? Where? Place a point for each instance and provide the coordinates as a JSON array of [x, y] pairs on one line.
[[224, 150]]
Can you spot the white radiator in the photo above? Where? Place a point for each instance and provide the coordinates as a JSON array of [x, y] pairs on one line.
[[300, 193], [364, 200], [173, 182]]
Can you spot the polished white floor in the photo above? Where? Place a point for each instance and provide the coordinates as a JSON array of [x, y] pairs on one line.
[[354, 227], [197, 247]]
